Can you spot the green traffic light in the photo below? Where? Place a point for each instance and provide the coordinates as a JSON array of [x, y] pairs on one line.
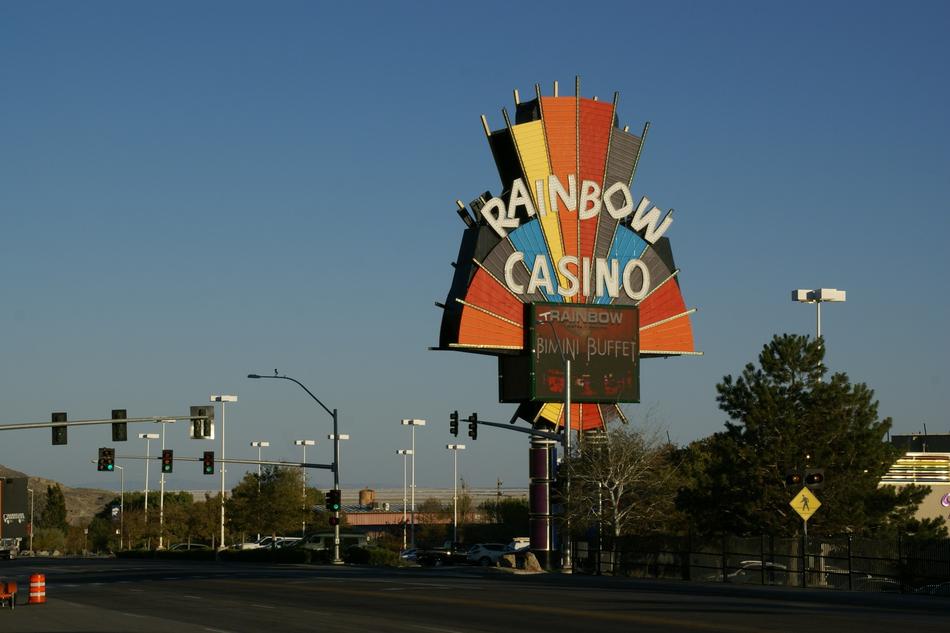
[[110, 467]]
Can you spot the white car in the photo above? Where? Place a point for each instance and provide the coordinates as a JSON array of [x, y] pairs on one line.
[[486, 554]]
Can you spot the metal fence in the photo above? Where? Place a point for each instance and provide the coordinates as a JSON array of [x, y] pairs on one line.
[[842, 563]]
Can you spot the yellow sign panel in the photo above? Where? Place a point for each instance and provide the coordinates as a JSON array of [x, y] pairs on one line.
[[805, 503]]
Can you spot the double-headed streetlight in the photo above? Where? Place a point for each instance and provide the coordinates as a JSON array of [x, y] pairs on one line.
[[161, 495], [413, 423], [455, 448], [819, 296], [259, 444], [148, 437], [336, 437], [223, 400], [405, 452], [304, 444]]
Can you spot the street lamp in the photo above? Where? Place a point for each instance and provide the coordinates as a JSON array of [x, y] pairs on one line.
[[819, 296], [455, 448], [223, 400], [148, 437], [413, 423], [30, 490], [336, 456], [405, 452], [161, 496], [259, 444], [303, 470]]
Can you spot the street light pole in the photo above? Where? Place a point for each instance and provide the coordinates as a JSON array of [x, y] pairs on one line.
[[336, 456], [413, 423], [30, 490], [259, 444], [303, 470], [455, 448], [121, 504], [819, 296], [405, 452], [161, 497], [223, 400], [148, 437]]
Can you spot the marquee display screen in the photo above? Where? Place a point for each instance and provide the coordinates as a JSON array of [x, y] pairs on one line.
[[601, 343]]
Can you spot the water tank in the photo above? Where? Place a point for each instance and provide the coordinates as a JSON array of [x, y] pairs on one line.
[[367, 497]]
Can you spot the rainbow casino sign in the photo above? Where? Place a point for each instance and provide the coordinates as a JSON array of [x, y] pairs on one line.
[[565, 264]]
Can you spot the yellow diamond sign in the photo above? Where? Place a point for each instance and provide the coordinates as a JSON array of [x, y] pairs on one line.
[[805, 503]]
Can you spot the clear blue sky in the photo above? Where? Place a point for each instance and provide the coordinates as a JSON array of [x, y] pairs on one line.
[[192, 191]]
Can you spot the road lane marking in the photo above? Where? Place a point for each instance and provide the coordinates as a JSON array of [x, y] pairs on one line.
[[262, 606], [432, 628], [678, 623]]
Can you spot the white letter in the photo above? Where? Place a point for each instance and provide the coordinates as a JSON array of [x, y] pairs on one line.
[[644, 287], [539, 191], [572, 284], [585, 276], [627, 207], [519, 198], [540, 276], [510, 263], [643, 219], [498, 220], [607, 274], [556, 189], [590, 193]]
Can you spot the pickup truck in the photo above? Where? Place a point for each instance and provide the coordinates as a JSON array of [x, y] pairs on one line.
[[9, 547]]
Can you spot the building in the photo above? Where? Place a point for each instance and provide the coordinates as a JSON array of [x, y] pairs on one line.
[[926, 462]]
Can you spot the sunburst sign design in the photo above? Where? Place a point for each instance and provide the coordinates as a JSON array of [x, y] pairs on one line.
[[565, 232]]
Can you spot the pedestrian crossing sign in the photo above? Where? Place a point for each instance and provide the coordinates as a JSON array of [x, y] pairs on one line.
[[805, 503]]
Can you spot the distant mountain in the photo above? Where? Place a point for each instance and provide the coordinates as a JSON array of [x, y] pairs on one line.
[[81, 503]]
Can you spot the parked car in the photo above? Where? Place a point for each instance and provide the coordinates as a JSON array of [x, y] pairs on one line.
[[486, 554], [886, 585], [750, 572], [409, 554], [186, 547], [9, 547], [940, 589]]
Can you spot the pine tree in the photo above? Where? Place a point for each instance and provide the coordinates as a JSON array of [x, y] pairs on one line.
[[54, 514], [785, 416]]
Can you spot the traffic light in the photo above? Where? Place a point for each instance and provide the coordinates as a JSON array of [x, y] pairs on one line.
[[793, 479], [120, 431], [454, 423], [334, 521], [202, 422], [208, 463], [473, 426], [333, 498], [106, 461], [815, 478], [59, 432], [168, 460]]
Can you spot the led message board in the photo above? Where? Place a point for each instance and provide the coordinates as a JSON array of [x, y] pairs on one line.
[[600, 342]]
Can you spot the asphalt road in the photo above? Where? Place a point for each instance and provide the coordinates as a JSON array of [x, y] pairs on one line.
[[160, 596]]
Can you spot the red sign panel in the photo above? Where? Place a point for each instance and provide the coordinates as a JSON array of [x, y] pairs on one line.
[[601, 343]]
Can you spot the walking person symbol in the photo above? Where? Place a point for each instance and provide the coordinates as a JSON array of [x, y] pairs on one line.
[[805, 506]]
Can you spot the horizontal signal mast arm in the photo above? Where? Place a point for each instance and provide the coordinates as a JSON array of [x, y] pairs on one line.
[[535, 433], [44, 425], [253, 462]]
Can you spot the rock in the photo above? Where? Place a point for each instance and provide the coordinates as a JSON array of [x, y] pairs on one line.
[[531, 562], [508, 561]]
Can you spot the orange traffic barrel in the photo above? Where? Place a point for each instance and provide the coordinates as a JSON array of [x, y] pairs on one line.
[[37, 589]]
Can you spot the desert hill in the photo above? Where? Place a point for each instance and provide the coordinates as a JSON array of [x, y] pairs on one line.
[[81, 503]]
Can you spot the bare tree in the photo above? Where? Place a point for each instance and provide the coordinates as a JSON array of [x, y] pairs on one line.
[[623, 479]]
